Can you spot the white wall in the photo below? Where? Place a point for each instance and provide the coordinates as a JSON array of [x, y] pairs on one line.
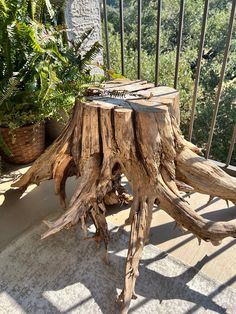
[[81, 15]]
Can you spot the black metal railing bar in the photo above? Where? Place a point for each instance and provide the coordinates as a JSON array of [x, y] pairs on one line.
[[159, 6], [231, 148], [122, 51], [179, 42], [222, 74], [106, 34], [139, 37], [200, 52]]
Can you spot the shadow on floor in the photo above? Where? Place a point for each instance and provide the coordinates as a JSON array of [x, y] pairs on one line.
[[19, 212], [65, 272], [167, 231], [49, 276]]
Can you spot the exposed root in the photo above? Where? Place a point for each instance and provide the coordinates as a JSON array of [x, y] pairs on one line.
[[204, 176], [118, 195], [210, 200], [139, 232]]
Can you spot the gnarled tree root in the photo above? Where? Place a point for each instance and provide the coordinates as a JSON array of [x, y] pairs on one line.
[[105, 138]]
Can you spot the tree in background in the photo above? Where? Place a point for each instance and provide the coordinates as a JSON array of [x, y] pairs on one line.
[[217, 25]]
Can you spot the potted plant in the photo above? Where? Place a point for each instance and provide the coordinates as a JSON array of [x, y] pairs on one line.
[[41, 74], [22, 125], [28, 58]]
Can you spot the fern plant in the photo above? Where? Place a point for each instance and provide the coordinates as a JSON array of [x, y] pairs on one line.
[[40, 72], [74, 76], [28, 59]]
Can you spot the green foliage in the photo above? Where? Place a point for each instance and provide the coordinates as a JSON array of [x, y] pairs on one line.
[[4, 148], [40, 72], [73, 77], [217, 25]]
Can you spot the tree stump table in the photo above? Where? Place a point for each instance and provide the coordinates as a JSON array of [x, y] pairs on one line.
[[130, 128]]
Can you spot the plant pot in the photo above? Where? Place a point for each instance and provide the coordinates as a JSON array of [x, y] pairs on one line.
[[25, 143], [54, 127]]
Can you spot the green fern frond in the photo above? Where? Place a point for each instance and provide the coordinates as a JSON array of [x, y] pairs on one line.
[[50, 10], [55, 53], [78, 44], [33, 9], [90, 55], [3, 8], [4, 147], [28, 31], [11, 87]]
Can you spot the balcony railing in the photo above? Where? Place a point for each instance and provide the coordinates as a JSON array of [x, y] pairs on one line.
[[178, 57]]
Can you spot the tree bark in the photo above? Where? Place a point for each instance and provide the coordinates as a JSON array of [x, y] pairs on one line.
[[130, 128]]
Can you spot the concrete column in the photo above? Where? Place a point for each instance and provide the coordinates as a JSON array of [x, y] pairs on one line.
[[81, 15]]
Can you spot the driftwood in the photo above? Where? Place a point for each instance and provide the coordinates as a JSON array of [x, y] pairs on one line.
[[130, 128]]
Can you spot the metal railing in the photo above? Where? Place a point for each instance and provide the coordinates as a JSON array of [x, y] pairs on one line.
[[178, 55]]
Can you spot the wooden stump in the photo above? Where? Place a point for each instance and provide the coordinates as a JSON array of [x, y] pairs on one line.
[[131, 128]]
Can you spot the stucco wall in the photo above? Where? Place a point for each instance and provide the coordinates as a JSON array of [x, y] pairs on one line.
[[81, 15]]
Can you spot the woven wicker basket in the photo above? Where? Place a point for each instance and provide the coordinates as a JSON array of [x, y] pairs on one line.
[[25, 143]]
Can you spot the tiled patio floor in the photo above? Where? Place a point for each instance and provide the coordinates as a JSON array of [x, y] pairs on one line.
[[18, 213]]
